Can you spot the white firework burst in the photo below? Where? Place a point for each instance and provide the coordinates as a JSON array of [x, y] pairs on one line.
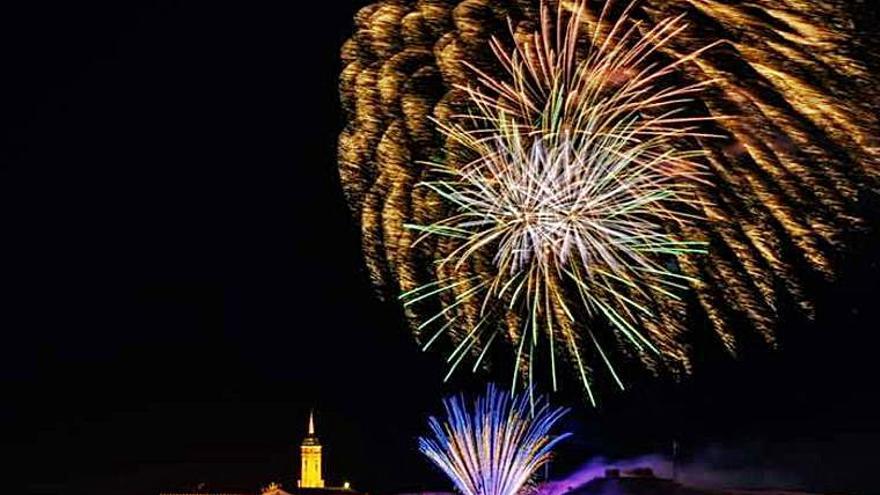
[[581, 171]]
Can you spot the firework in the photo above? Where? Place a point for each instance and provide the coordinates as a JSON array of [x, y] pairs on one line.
[[572, 185], [496, 447], [584, 181]]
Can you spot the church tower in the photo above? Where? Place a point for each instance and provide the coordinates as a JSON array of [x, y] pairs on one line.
[[310, 459]]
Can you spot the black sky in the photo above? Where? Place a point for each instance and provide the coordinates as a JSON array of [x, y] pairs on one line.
[[181, 280]]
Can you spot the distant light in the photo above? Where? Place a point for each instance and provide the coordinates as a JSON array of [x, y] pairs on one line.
[[346, 486]]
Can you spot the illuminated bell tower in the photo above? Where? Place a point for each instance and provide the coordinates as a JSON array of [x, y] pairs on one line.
[[310, 459]]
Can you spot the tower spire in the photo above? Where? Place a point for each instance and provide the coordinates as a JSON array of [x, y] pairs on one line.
[[310, 458]]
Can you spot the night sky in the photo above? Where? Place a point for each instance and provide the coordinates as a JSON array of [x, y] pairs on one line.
[[181, 282]]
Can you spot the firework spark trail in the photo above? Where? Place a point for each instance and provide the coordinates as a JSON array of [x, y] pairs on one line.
[[430, 86], [573, 184], [495, 447]]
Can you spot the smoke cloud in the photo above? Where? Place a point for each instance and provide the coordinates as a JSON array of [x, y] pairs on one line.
[[713, 467]]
